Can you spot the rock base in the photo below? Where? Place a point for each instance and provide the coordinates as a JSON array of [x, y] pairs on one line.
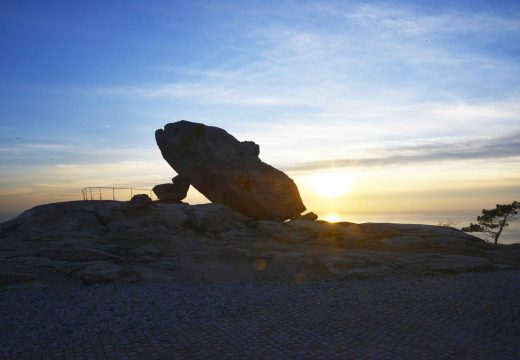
[[142, 241]]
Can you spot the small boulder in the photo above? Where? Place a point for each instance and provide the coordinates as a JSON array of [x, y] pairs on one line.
[[175, 192], [141, 199], [138, 203], [309, 216]]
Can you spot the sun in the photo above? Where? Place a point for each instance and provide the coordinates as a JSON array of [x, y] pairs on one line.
[[332, 217], [332, 184]]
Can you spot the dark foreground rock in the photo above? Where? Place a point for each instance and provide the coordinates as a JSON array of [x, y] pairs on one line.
[[228, 171], [139, 241]]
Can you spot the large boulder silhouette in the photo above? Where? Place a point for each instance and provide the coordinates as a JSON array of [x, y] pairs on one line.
[[228, 171]]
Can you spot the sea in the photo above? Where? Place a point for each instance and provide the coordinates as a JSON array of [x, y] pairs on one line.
[[510, 235], [455, 219]]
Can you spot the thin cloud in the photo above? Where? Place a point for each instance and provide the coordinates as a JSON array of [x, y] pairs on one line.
[[414, 22], [23, 148], [285, 65], [227, 93], [497, 148]]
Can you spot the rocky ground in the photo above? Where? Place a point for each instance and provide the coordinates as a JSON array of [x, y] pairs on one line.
[[87, 242], [197, 281]]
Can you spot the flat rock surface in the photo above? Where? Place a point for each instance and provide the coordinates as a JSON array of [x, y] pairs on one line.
[[464, 316], [141, 241]]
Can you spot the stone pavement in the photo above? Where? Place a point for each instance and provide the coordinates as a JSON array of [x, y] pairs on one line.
[[478, 317]]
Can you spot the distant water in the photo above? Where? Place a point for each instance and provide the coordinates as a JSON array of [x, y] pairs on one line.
[[459, 219]]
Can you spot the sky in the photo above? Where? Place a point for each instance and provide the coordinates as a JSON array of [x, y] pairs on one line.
[[396, 106]]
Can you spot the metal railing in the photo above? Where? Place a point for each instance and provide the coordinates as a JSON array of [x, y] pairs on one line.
[[96, 192]]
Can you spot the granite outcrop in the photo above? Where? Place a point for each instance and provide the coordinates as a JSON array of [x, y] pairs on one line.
[[140, 241]]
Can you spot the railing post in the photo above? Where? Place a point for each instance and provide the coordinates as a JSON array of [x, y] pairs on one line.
[[99, 188], [131, 193], [91, 193], [113, 194]]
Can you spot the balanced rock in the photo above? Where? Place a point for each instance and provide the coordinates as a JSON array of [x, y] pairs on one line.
[[176, 191], [228, 171]]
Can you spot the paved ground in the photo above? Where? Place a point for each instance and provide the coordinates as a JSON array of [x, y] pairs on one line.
[[468, 316]]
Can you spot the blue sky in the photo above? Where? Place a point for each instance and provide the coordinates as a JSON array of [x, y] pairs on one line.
[[392, 90]]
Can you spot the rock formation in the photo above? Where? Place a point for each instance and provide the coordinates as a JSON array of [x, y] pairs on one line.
[[228, 171], [140, 240], [309, 216], [176, 191]]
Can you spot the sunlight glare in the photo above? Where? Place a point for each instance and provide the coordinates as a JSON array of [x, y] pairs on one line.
[[332, 218], [332, 184]]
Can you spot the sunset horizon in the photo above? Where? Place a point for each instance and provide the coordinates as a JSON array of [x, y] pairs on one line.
[[267, 179], [412, 108]]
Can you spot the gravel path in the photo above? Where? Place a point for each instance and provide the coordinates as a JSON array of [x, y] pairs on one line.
[[472, 315]]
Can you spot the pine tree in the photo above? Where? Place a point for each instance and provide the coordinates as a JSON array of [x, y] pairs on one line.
[[492, 222]]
